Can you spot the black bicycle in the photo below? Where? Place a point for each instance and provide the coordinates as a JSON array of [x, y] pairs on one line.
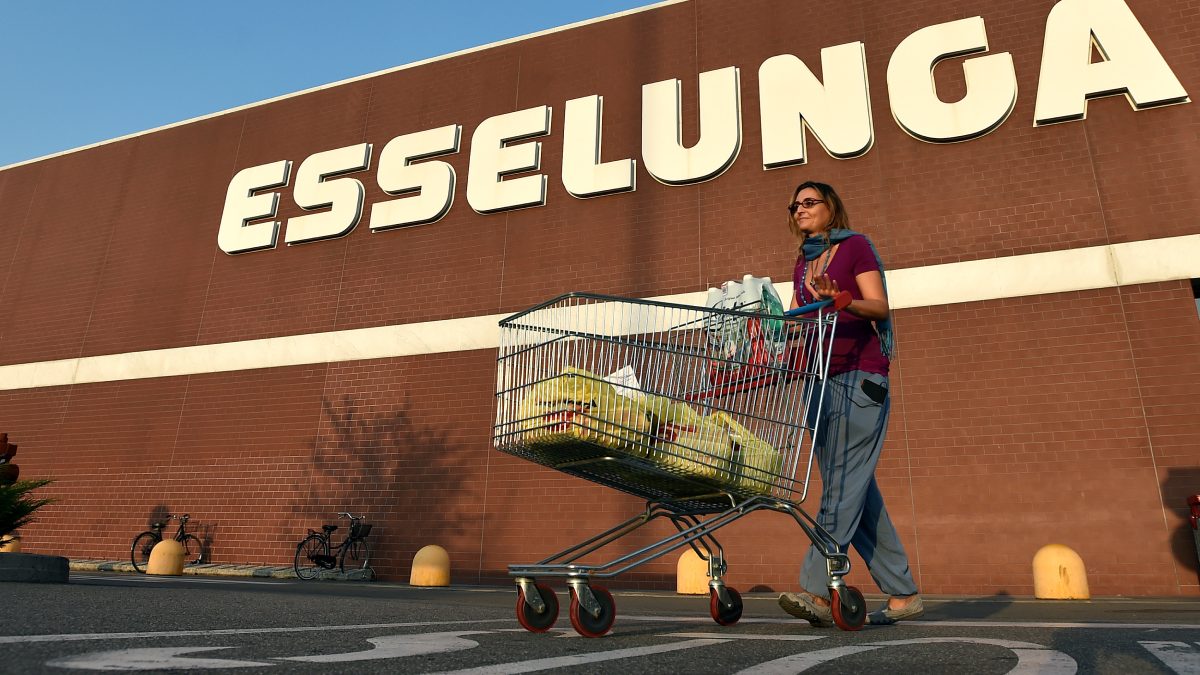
[[193, 548], [317, 552]]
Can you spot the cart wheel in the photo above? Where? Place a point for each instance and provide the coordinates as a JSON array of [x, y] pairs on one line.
[[849, 608], [529, 618], [726, 616], [593, 626]]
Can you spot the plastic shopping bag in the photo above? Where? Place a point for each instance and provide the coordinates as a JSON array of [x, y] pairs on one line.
[[579, 406], [743, 348], [688, 443], [756, 464]]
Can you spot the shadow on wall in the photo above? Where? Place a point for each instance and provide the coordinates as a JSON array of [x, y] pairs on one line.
[[1182, 482], [159, 514], [386, 465]]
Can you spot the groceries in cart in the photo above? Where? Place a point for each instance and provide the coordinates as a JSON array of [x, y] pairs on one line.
[[579, 406], [745, 347]]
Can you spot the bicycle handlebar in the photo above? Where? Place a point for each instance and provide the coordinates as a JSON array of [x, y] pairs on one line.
[[351, 516]]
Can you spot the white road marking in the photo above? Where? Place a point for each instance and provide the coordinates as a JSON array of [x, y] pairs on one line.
[[925, 623], [559, 632], [1178, 656], [399, 646], [789, 665], [71, 637], [747, 636], [151, 658], [150, 579], [1032, 658], [580, 659]]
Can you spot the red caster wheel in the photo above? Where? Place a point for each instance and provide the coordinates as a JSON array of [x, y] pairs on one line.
[[584, 622], [529, 618], [849, 608], [722, 614]]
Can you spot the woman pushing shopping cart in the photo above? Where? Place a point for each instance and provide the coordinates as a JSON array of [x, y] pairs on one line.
[[707, 413]]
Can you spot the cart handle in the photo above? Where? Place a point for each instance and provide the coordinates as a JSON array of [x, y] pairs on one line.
[[840, 301]]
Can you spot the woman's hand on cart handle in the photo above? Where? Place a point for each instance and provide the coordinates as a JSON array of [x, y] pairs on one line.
[[839, 302]]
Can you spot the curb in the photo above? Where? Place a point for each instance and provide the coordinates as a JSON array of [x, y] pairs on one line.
[[208, 569], [31, 567]]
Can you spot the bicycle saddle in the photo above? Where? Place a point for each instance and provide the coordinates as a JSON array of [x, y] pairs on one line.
[[329, 528]]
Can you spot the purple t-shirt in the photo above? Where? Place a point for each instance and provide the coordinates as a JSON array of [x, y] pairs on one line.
[[855, 343]]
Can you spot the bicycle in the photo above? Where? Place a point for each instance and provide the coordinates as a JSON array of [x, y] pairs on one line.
[[317, 553], [193, 548]]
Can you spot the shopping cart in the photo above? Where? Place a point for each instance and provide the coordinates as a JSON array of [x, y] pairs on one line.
[[706, 413]]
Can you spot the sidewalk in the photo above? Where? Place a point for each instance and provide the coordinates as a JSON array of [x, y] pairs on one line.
[[211, 570]]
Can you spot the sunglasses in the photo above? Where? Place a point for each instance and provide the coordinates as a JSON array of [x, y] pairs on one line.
[[807, 204]]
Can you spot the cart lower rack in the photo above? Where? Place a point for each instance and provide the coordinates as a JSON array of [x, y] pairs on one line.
[[708, 414]]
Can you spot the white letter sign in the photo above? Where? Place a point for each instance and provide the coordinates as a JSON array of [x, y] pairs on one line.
[[991, 84], [242, 206], [492, 159], [720, 128], [1132, 64], [838, 113], [398, 176], [582, 173], [312, 191]]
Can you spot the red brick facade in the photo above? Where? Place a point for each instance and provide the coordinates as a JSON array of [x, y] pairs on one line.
[[1063, 418]]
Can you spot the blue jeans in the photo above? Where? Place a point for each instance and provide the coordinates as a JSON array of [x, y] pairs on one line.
[[848, 444]]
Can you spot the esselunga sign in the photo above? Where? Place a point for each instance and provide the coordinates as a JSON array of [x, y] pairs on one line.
[[792, 101]]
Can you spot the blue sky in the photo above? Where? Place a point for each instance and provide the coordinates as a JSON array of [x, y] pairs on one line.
[[76, 72]]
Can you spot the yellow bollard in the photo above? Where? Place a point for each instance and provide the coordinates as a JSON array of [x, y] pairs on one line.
[[691, 574], [1058, 574], [166, 559], [431, 567]]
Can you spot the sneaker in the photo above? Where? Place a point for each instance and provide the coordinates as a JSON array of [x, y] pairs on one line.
[[886, 616], [801, 606]]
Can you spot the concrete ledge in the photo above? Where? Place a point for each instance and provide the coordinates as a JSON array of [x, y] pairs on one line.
[[216, 570], [31, 567], [207, 570]]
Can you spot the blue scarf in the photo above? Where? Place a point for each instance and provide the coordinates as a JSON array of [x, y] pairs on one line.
[[816, 245]]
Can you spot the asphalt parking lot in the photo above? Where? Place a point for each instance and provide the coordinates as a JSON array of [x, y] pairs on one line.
[[109, 621]]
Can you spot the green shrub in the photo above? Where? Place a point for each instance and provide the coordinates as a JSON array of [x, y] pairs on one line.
[[17, 506]]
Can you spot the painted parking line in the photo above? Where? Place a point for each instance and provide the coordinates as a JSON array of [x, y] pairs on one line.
[[72, 637], [580, 659], [1178, 656], [400, 646], [690, 619], [1032, 658], [151, 579], [152, 658], [926, 623]]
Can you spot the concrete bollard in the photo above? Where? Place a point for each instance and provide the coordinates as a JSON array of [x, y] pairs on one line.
[[166, 559], [1058, 574], [691, 574], [431, 567]]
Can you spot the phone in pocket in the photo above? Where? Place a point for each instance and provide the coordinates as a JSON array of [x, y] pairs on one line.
[[874, 391]]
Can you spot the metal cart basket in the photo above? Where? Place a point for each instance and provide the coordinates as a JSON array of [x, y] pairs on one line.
[[706, 413]]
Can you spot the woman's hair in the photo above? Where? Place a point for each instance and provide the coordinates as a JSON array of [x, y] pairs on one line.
[[837, 211]]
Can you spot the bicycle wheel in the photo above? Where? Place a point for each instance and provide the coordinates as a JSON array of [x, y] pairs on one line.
[[305, 566], [193, 550], [139, 553], [358, 553]]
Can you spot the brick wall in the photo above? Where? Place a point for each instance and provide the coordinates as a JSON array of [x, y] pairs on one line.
[[1066, 418]]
